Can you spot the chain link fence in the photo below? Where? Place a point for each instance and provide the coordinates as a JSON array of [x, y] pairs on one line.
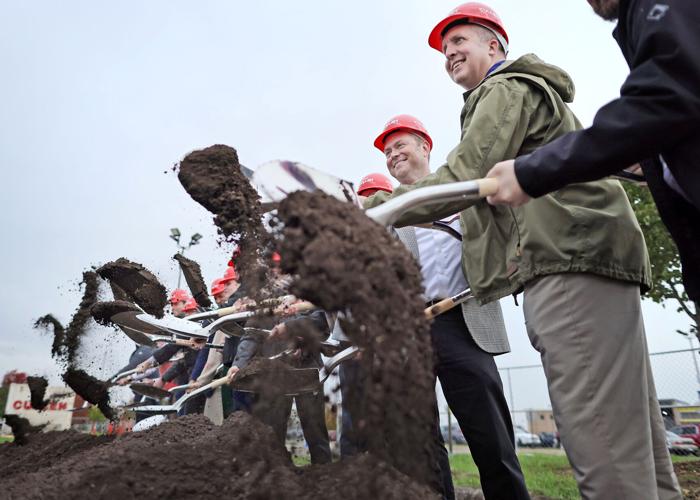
[[676, 374]]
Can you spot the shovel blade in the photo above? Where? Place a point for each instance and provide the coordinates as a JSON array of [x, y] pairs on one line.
[[275, 180], [149, 391], [156, 409]]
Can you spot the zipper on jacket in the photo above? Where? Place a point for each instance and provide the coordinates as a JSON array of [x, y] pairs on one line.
[[518, 250]]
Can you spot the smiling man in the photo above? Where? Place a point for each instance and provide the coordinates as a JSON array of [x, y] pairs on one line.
[[466, 338], [578, 254]]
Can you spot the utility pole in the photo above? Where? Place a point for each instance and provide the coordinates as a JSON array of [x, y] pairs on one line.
[[175, 236]]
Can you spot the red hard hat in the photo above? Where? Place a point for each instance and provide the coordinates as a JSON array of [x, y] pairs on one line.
[[371, 183], [229, 275], [190, 306], [474, 13], [178, 295], [276, 257], [217, 286], [406, 123]]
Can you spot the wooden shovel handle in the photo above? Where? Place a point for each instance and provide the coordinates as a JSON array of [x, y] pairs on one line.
[[218, 382], [487, 187], [439, 308]]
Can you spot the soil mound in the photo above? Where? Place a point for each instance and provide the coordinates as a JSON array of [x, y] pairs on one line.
[[45, 450], [239, 460], [138, 283], [37, 389], [193, 276], [344, 262]]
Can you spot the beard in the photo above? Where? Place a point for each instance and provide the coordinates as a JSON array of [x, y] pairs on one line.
[[607, 9]]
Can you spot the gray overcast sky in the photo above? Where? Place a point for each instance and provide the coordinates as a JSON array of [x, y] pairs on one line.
[[102, 97]]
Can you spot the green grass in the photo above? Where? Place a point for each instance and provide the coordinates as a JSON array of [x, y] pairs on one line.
[[547, 475], [4, 439]]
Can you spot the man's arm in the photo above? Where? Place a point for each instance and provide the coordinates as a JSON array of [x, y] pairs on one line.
[[165, 353], [496, 131], [658, 106]]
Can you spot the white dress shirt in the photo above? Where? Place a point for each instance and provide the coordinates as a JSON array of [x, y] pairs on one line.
[[441, 261]]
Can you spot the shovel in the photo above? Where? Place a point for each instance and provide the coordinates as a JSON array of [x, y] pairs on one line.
[[276, 179], [224, 311], [145, 323], [174, 408], [155, 392]]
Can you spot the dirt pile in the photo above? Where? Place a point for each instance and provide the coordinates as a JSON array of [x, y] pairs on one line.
[[213, 178], [193, 276], [138, 283], [44, 450], [191, 458], [344, 262], [37, 389]]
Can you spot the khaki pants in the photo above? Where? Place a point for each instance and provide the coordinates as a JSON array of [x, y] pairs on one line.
[[590, 333], [214, 408]]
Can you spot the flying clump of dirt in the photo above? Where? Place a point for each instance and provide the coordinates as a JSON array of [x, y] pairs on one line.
[[194, 279], [20, 428], [213, 177], [37, 389], [344, 262], [66, 342], [58, 333], [90, 389], [138, 283], [81, 317], [102, 312], [65, 348]]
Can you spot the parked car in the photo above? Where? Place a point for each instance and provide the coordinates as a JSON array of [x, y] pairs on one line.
[[681, 445], [457, 436], [526, 439], [691, 431], [548, 439]]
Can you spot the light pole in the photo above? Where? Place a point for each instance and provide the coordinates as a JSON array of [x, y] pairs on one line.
[[175, 236]]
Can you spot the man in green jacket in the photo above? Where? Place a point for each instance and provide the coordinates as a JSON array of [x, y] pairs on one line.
[[578, 254]]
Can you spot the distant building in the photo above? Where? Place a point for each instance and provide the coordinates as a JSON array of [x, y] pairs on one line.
[[539, 421], [676, 412]]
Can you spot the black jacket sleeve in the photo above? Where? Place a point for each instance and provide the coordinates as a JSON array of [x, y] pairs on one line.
[[165, 353], [659, 103]]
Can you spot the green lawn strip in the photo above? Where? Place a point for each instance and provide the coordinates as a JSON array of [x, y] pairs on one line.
[[4, 439], [548, 475], [684, 458]]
